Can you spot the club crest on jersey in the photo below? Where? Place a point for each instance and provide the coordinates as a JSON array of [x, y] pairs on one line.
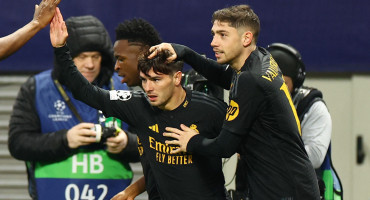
[[122, 95], [232, 111], [194, 127]]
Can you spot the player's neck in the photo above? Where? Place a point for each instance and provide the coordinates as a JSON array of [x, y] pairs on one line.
[[239, 61], [176, 100]]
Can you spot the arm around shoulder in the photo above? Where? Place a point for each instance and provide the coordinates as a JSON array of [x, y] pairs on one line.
[[213, 71]]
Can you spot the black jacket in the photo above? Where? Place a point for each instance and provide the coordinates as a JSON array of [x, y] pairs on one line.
[[25, 137], [86, 33]]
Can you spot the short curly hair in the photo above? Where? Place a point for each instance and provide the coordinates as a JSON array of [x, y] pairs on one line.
[[239, 16], [138, 30]]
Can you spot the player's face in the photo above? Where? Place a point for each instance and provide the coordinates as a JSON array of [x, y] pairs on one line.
[[89, 64], [126, 62], [159, 88], [227, 43]]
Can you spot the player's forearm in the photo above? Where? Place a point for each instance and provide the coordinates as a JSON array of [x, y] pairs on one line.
[[136, 188], [225, 145], [11, 43], [207, 67]]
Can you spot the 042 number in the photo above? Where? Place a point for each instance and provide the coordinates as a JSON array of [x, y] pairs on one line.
[[72, 192]]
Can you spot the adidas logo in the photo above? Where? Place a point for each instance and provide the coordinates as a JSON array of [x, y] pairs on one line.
[[154, 128]]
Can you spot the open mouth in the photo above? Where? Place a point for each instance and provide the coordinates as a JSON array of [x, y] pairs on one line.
[[217, 53], [152, 97]]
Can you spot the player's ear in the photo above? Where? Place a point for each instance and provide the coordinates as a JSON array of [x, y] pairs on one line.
[[177, 77], [247, 38]]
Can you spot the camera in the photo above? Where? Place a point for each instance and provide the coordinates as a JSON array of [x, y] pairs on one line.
[[102, 133]]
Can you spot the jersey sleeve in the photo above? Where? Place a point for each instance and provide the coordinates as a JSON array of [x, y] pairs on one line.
[[246, 98], [115, 103], [219, 74], [225, 145]]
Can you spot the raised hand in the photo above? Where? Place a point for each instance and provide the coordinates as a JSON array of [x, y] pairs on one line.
[[45, 12], [58, 30]]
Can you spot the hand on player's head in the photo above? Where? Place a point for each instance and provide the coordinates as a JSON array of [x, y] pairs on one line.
[[162, 47]]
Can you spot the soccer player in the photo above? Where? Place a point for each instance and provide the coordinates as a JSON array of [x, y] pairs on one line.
[[164, 103], [261, 121]]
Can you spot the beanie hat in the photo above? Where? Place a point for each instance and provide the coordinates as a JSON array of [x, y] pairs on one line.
[[87, 33]]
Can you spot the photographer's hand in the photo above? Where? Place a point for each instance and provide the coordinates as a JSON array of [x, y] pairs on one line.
[[81, 135], [117, 144]]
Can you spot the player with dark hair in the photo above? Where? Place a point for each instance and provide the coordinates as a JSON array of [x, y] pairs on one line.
[[133, 38], [261, 122], [164, 103]]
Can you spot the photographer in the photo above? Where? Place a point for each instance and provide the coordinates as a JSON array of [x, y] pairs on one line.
[[56, 135]]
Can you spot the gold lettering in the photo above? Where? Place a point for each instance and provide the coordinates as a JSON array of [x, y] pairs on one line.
[[272, 72], [164, 150], [173, 160], [267, 78], [141, 150], [161, 147], [157, 157], [151, 141]]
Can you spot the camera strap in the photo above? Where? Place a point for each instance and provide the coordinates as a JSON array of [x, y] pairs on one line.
[[67, 99]]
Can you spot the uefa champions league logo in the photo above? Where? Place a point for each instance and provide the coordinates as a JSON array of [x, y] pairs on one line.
[[59, 105], [59, 115]]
